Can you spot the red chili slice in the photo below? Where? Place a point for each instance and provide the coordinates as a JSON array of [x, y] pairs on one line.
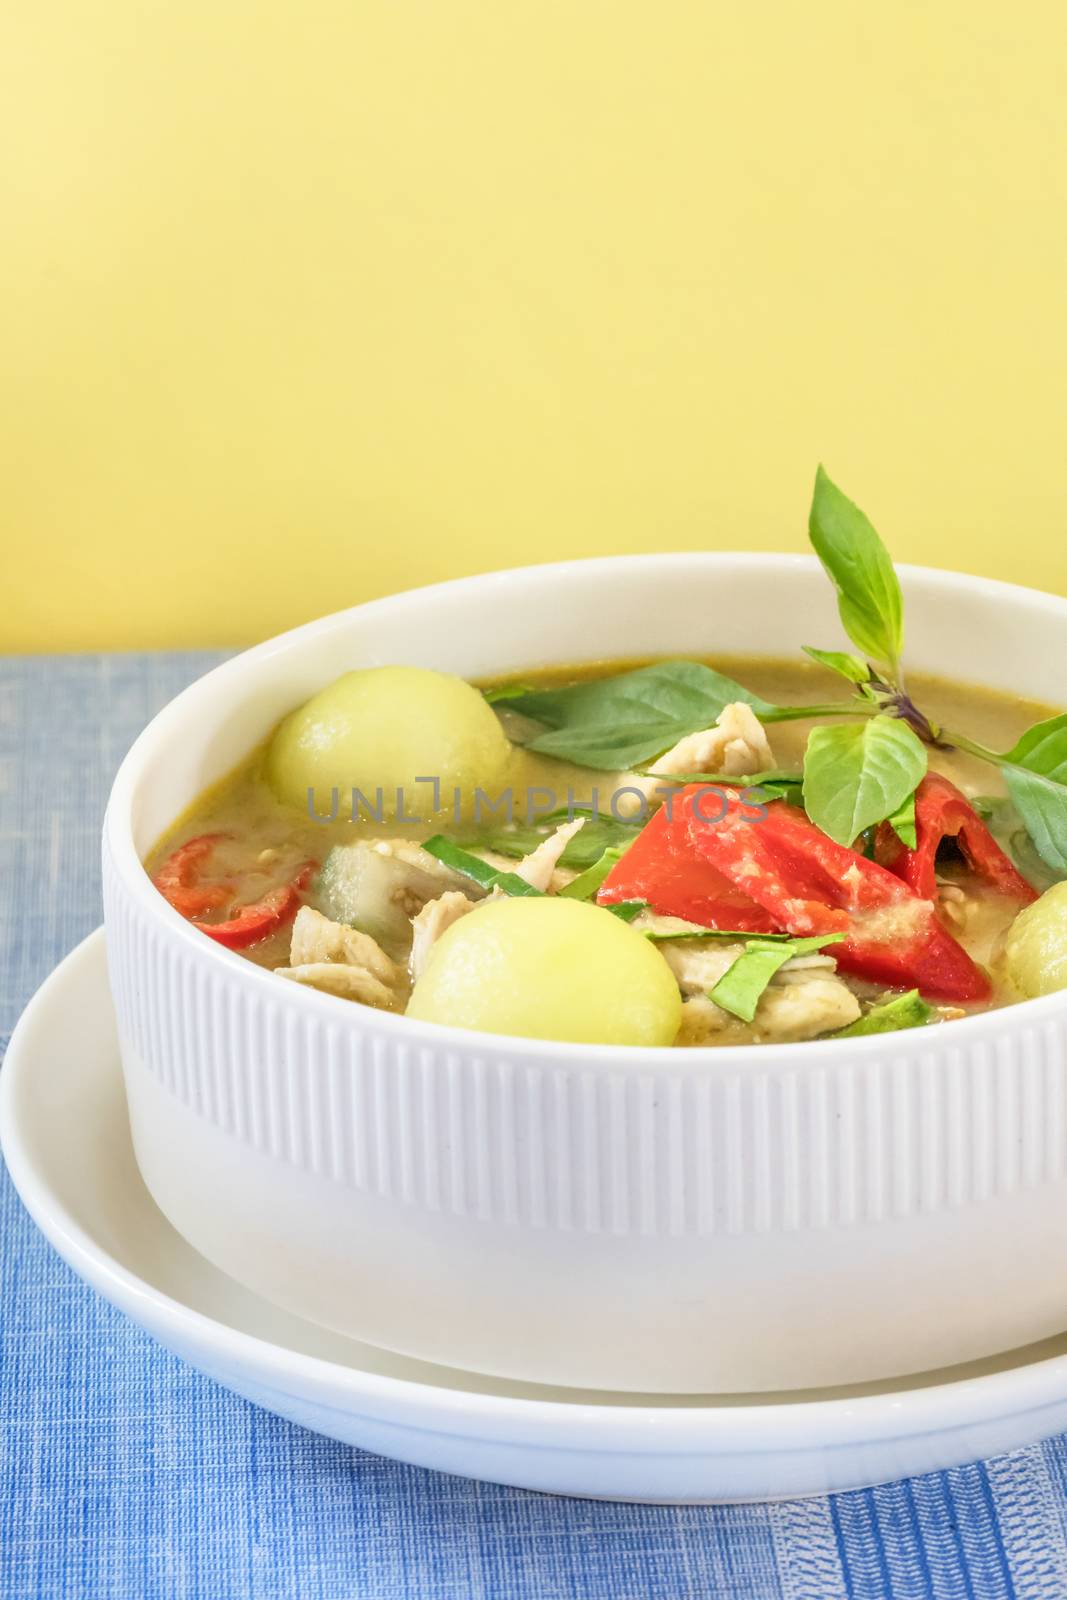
[[943, 812], [806, 884], [176, 879], [250, 923]]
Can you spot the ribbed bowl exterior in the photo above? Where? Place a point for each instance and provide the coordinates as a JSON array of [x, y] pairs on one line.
[[674, 1220], [540, 1142]]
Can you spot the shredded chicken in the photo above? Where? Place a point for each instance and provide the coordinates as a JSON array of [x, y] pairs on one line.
[[803, 999], [538, 868], [698, 964], [802, 1009], [317, 939], [349, 983], [812, 1004], [954, 905], [736, 745], [432, 921], [341, 960]]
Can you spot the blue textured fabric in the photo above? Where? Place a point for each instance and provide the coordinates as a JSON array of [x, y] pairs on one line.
[[126, 1476]]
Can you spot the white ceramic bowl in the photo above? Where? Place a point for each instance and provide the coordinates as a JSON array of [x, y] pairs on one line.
[[658, 1220]]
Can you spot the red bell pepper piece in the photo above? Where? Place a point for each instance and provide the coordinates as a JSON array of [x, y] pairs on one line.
[[807, 884], [176, 881], [662, 868], [943, 812]]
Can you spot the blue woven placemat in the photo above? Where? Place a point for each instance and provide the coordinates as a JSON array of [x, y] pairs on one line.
[[124, 1475]]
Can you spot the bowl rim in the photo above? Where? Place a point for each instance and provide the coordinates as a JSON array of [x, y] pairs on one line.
[[118, 832]]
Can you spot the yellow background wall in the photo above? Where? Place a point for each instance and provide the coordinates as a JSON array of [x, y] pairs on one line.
[[303, 302]]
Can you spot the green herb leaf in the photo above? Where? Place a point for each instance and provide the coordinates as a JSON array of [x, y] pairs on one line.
[[755, 787], [854, 668], [618, 723], [586, 884], [483, 872], [627, 909], [600, 832], [1035, 770], [857, 774], [903, 823], [741, 986], [906, 1011], [1002, 817], [506, 691], [861, 570]]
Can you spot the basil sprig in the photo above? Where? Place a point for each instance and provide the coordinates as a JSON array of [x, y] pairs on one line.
[[845, 772], [855, 776], [619, 723], [861, 570], [860, 773], [741, 986]]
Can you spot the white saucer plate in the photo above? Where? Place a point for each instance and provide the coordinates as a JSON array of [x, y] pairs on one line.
[[66, 1139]]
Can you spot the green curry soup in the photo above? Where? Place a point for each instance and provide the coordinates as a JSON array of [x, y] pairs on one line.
[[666, 852], [374, 888]]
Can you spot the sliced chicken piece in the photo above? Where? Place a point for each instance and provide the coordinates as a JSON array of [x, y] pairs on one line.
[[342, 961], [316, 940], [735, 746], [432, 921], [705, 1023], [698, 964], [804, 998], [538, 867], [348, 983], [818, 1003], [787, 1013]]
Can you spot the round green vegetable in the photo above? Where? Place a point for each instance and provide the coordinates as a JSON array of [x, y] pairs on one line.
[[549, 969], [384, 728], [1035, 955]]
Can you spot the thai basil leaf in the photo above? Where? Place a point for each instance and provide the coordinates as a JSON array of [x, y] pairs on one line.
[[1035, 770], [470, 866], [905, 1011], [600, 832], [857, 774], [903, 824], [1006, 825], [861, 570], [490, 877], [791, 790], [618, 723], [741, 986], [586, 884], [854, 668]]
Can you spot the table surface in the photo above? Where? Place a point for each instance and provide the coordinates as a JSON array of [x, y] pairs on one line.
[[124, 1475]]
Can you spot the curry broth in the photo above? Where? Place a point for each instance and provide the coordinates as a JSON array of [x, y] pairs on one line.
[[268, 841]]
